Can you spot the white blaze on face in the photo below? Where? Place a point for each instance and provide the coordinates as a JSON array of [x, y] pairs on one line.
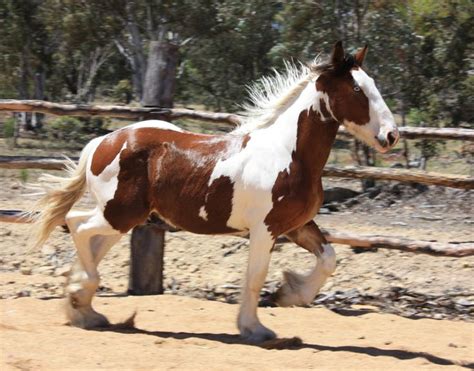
[[381, 119]]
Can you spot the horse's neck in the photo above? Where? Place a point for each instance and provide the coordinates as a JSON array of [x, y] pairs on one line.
[[305, 131], [316, 135]]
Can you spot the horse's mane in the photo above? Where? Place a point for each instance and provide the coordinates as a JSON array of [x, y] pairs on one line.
[[272, 95]]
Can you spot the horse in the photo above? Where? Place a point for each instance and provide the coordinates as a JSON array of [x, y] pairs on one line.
[[262, 179]]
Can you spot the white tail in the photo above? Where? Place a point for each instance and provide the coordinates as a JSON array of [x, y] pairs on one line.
[[60, 194]]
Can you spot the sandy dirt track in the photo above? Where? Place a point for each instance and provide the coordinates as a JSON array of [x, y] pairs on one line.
[[173, 332]]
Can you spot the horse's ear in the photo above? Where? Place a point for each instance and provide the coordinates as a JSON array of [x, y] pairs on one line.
[[360, 55], [337, 57]]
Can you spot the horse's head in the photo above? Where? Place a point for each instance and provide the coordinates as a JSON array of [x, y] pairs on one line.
[[355, 102]]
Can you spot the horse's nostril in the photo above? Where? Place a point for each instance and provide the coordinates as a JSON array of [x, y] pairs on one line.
[[391, 138]]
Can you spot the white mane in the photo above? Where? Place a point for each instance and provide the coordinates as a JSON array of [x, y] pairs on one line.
[[272, 95]]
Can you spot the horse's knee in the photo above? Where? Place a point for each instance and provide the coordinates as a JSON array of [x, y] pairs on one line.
[[328, 259]]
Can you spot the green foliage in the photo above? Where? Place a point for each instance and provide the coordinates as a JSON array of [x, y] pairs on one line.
[[24, 175], [123, 91], [420, 51], [9, 128], [428, 148], [75, 130], [64, 128], [94, 125]]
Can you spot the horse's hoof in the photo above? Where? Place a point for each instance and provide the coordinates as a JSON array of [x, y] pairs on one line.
[[87, 319], [259, 335]]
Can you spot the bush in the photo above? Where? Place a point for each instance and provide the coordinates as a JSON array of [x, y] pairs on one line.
[[75, 130], [9, 128], [123, 91], [64, 128], [94, 125], [428, 148]]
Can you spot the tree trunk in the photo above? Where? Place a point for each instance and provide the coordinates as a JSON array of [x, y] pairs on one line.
[[37, 118], [160, 78]]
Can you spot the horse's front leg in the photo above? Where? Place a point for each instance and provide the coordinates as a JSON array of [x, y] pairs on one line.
[[299, 289], [261, 243]]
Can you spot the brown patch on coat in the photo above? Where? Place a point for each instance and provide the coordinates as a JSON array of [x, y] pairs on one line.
[[168, 172], [107, 151], [344, 101], [298, 194]]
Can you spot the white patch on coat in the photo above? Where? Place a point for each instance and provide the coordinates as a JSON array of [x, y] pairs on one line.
[[328, 258], [103, 186], [254, 170], [203, 213], [155, 124]]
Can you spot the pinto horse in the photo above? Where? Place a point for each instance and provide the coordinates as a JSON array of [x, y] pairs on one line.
[[263, 178]]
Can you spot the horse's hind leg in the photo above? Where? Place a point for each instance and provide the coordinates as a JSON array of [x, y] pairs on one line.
[[93, 237], [301, 289], [261, 243]]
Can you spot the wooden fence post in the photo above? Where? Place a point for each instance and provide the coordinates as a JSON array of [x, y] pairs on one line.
[[146, 260]]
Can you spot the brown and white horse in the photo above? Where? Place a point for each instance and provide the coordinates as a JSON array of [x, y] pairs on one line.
[[264, 178]]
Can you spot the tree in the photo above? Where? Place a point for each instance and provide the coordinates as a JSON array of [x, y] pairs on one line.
[[81, 34]]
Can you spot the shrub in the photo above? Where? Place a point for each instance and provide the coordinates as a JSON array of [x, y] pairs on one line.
[[428, 148], [9, 128], [64, 128]]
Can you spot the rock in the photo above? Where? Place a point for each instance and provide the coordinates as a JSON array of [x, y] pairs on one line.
[[23, 294], [47, 270], [26, 271], [351, 202], [48, 250], [338, 194], [230, 286], [399, 223], [464, 303], [323, 211], [62, 271], [332, 207], [373, 192]]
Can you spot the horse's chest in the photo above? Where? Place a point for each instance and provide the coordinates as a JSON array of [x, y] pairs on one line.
[[296, 198]]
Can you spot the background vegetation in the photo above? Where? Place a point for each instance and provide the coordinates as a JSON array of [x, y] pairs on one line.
[[207, 51]]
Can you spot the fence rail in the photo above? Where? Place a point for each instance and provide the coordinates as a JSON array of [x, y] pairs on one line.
[[140, 113], [402, 175]]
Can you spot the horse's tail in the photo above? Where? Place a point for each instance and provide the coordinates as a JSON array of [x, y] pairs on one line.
[[59, 196]]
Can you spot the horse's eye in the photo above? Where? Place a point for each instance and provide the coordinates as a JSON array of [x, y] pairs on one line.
[[356, 88]]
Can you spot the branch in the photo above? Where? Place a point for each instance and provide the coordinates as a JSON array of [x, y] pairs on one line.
[[453, 249]]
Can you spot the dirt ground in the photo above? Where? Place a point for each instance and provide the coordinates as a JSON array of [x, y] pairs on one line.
[[173, 332], [357, 332]]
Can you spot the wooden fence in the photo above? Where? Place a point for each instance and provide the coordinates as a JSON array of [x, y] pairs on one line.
[[170, 114], [148, 241], [359, 172]]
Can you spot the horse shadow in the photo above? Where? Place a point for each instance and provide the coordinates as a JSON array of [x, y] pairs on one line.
[[128, 327]]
